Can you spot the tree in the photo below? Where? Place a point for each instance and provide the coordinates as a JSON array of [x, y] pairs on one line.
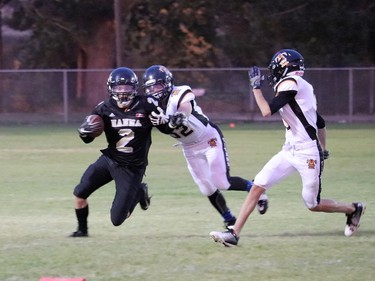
[[175, 33], [181, 33], [68, 34]]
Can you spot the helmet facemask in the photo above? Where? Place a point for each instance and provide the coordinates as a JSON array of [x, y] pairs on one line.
[[123, 94], [157, 90], [158, 82], [123, 86]]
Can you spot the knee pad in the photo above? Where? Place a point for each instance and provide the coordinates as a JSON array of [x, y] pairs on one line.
[[310, 195]]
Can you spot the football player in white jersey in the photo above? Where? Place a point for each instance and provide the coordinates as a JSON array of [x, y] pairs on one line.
[[202, 141], [295, 101]]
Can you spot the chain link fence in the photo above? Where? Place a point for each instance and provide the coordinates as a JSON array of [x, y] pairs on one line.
[[67, 95]]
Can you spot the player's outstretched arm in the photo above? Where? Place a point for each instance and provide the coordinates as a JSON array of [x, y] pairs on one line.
[[167, 123], [256, 82]]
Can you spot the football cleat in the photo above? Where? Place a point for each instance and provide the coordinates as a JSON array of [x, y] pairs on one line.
[[352, 220], [145, 200], [79, 233], [227, 238], [262, 205]]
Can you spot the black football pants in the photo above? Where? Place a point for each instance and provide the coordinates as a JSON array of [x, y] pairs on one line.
[[127, 181]]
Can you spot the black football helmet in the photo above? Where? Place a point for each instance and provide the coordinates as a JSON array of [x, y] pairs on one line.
[[158, 81], [123, 86], [284, 62]]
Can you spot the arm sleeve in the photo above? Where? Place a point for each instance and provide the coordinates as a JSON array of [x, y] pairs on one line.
[[165, 129], [281, 99], [320, 122]]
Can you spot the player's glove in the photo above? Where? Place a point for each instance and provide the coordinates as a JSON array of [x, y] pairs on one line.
[[88, 128], [256, 79], [178, 119], [158, 118], [325, 154]]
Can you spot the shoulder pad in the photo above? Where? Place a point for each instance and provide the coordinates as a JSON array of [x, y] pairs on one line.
[[100, 103], [179, 90], [288, 78], [98, 108]]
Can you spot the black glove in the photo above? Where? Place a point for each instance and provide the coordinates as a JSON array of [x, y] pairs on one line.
[[325, 154], [255, 78], [178, 119]]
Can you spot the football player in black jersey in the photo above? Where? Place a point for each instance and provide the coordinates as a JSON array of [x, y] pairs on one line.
[[127, 128]]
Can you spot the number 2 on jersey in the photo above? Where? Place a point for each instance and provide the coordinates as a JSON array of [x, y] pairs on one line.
[[183, 131], [127, 136]]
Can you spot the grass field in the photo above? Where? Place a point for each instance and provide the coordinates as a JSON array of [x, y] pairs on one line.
[[41, 165]]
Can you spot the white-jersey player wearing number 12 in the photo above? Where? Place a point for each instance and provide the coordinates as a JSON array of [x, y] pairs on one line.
[[202, 141], [295, 101], [198, 129]]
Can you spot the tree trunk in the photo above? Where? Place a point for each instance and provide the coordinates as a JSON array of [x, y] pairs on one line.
[[97, 53]]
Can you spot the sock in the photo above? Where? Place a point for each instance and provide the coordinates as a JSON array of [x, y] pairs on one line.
[[249, 185], [82, 215], [218, 201], [228, 216], [240, 184]]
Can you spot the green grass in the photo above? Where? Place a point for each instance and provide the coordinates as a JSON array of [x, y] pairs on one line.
[[41, 165]]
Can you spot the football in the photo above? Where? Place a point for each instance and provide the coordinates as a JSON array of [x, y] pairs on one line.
[[97, 123]]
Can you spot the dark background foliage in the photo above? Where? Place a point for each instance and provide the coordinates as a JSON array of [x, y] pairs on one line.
[[182, 33]]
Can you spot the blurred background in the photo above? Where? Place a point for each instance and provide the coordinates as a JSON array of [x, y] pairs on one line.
[[56, 55]]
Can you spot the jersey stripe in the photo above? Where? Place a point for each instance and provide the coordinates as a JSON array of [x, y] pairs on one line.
[[298, 112], [224, 147], [181, 98], [197, 115]]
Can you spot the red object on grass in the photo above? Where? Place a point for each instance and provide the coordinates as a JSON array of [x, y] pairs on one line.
[[61, 279]]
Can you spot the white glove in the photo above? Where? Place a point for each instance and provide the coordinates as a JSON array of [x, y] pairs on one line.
[[158, 118], [178, 119], [256, 80]]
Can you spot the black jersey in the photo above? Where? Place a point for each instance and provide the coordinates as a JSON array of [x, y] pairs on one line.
[[128, 131]]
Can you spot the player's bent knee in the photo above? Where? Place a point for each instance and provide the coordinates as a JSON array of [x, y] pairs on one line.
[[207, 190], [311, 204], [118, 220], [314, 209], [310, 196], [115, 223], [80, 203], [221, 183]]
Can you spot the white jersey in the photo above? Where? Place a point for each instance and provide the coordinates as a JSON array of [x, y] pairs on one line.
[[196, 129], [301, 114], [202, 143], [301, 149]]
